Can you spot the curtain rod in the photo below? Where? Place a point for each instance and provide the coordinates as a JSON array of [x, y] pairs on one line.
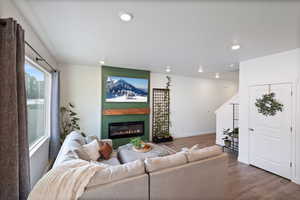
[[40, 57]]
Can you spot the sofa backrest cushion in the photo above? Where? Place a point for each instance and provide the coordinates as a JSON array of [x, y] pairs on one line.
[[195, 154], [158, 163], [112, 173], [203, 179], [73, 140]]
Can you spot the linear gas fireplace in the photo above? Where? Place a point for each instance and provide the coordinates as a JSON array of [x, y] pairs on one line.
[[125, 129]]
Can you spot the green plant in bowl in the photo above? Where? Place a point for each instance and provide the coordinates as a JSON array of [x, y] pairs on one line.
[[137, 142]]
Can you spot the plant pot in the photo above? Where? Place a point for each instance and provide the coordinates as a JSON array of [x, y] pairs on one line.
[[227, 143]]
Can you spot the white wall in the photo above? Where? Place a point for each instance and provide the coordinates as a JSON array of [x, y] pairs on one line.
[[297, 140], [81, 85], [193, 102], [39, 159], [278, 68]]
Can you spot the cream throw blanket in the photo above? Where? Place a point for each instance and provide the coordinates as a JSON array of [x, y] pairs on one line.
[[66, 181]]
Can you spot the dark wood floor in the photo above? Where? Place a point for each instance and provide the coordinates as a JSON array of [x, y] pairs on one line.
[[246, 182]]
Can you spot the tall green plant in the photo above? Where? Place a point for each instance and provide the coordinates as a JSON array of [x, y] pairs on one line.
[[69, 121]]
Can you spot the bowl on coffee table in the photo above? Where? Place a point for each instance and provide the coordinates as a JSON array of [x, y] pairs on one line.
[[145, 147]]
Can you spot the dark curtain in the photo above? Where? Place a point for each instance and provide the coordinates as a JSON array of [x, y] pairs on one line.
[[55, 116], [14, 148]]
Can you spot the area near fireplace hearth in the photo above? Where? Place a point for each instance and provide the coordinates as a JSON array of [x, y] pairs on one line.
[[122, 121]]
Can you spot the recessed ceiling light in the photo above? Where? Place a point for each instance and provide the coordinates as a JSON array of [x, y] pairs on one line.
[[125, 17], [168, 69], [217, 75], [200, 70], [102, 62], [235, 47]]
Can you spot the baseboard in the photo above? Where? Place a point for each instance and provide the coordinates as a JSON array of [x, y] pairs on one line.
[[297, 181], [195, 134], [243, 160]]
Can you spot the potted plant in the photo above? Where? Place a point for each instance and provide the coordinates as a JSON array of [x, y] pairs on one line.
[[231, 136], [227, 140], [137, 142], [69, 121], [139, 145]]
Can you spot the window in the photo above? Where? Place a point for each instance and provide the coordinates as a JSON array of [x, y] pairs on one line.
[[37, 83]]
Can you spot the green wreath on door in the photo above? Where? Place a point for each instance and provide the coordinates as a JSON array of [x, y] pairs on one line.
[[268, 105]]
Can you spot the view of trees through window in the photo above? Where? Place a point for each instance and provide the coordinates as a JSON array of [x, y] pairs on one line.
[[36, 108]]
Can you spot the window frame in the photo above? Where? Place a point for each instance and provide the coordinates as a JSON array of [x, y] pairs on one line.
[[33, 147]]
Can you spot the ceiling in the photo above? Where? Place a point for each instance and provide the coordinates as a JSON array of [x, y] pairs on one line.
[[180, 34]]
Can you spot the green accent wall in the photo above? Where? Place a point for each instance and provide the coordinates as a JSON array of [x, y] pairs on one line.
[[105, 120]]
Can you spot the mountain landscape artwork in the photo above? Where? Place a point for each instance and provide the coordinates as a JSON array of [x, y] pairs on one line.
[[125, 89]]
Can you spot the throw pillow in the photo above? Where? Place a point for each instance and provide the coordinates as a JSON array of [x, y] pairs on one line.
[[204, 153], [89, 139], [105, 150], [195, 147], [158, 163], [82, 154], [92, 150]]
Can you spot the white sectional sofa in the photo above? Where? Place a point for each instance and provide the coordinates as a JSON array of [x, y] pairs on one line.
[[171, 177]]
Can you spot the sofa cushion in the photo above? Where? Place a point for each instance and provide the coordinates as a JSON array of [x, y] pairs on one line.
[[75, 137], [70, 155], [91, 150], [158, 163], [195, 154], [72, 141], [117, 172], [82, 154], [111, 161]]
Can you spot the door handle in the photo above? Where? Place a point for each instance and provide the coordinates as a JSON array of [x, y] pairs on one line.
[[251, 129]]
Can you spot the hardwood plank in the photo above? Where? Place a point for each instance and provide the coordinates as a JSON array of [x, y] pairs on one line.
[[245, 182], [127, 111]]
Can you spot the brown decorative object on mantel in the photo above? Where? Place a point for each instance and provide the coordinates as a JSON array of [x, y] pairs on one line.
[[127, 111]]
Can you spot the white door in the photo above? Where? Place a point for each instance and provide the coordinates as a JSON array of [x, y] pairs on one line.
[[270, 137]]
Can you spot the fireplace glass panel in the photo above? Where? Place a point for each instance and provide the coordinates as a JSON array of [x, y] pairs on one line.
[[126, 129]]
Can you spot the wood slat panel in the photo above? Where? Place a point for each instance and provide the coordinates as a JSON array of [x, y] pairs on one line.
[[127, 111]]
